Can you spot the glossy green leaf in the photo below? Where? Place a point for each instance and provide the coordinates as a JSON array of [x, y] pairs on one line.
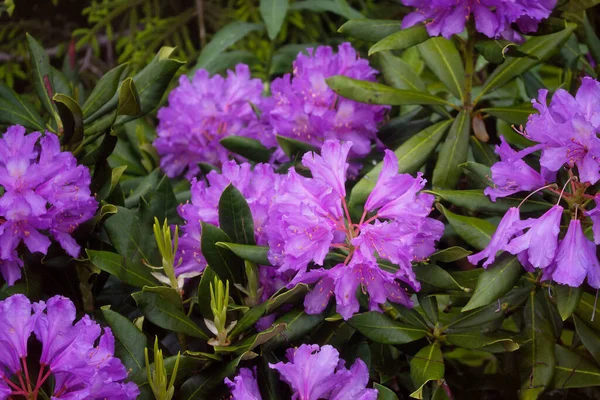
[[225, 264], [235, 217], [161, 203], [476, 340], [339, 7], [405, 315], [130, 342], [134, 274], [384, 393], [129, 99], [497, 280], [14, 110], [298, 323], [166, 315], [223, 39], [477, 173], [253, 341], [483, 153], [377, 93], [517, 115], [476, 200], [589, 338], [429, 306], [201, 386], [574, 6], [294, 148], [108, 188], [398, 73], [42, 75], [427, 365], [433, 278], [401, 40], [539, 47], [370, 30], [382, 329], [573, 370], [203, 296], [256, 254], [273, 13], [71, 118], [249, 148], [442, 57], [450, 254], [104, 91], [496, 50], [454, 152], [475, 231], [411, 156], [285, 296], [567, 299], [130, 239], [247, 320]]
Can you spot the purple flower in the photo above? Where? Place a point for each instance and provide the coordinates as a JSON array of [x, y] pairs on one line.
[[493, 18], [202, 112], [594, 215], [306, 109], [45, 190], [244, 386], [576, 256], [79, 357], [506, 230]]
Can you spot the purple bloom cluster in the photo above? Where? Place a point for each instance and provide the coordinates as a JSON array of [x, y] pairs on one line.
[[202, 112], [566, 132], [79, 357], [313, 373], [306, 109], [44, 190], [493, 18], [309, 217]]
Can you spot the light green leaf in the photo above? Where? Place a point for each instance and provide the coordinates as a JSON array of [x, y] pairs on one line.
[[476, 200], [573, 370], [130, 273], [273, 13], [427, 365], [42, 76], [475, 231], [370, 30], [442, 57], [223, 39], [380, 328], [256, 254], [512, 114], [401, 40], [567, 299], [104, 91], [454, 152], [14, 110]]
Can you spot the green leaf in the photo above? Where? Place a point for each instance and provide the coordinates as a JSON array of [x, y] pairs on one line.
[[398, 73], [129, 99], [250, 148], [339, 7], [411, 155], [223, 262], [496, 51], [71, 118], [235, 217], [497, 280], [162, 203], [130, 341], [442, 57], [273, 13], [483, 153], [284, 296], [370, 30], [255, 254], [298, 324], [538, 47], [104, 91], [165, 315], [476, 232], [377, 93], [42, 75], [567, 298], [248, 319], [401, 40], [450, 254], [427, 365], [223, 39], [454, 152], [187, 367], [380, 328], [429, 306], [573, 370], [574, 6], [15, 110], [517, 115], [591, 39], [476, 340], [203, 296], [479, 174], [131, 240], [107, 189], [589, 338], [384, 393], [476, 200], [294, 148], [434, 278], [253, 341], [588, 310], [405, 315], [135, 274]]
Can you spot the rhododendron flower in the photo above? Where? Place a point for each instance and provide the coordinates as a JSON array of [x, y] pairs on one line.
[[202, 112], [80, 357], [310, 217], [244, 386], [44, 190], [306, 109], [493, 18]]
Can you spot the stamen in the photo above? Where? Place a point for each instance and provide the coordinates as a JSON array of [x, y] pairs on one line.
[[595, 302], [564, 187], [535, 191]]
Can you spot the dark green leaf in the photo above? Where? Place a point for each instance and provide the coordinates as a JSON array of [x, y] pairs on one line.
[[15, 110], [477, 232], [235, 217], [223, 262], [273, 13], [72, 119], [512, 114], [450, 254], [110, 184], [476, 200], [429, 306], [442, 57], [187, 367], [567, 298], [255, 254], [208, 278], [250, 148], [146, 186], [166, 315], [427, 365], [223, 39], [298, 323], [248, 319], [398, 73], [479, 174], [285, 296], [483, 153], [104, 91], [454, 152], [591, 39], [129, 99], [435, 278], [162, 203], [382, 329], [497, 280], [135, 274], [383, 393], [370, 30], [574, 6], [339, 7], [133, 241], [402, 39], [253, 341], [476, 340], [294, 148], [42, 75], [496, 51], [573, 370], [130, 341], [589, 338]]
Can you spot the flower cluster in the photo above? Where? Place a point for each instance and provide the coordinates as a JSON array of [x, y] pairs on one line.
[[493, 18], [79, 357], [306, 109], [312, 373], [202, 112], [566, 133], [44, 190], [310, 217]]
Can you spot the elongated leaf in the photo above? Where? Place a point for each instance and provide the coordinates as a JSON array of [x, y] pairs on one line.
[[130, 238], [442, 57], [454, 152], [253, 341], [298, 323], [248, 319], [250, 148], [398, 73], [477, 340], [450, 254], [434, 278], [377, 93], [339, 7], [370, 30], [380, 328], [256, 254], [567, 299], [512, 114], [475, 231], [573, 370], [235, 217], [284, 296], [130, 341], [104, 90], [15, 110], [401, 40], [497, 280], [427, 365], [223, 39], [476, 200], [203, 297], [483, 153], [225, 264], [167, 316], [429, 306], [129, 99], [384, 393], [411, 156], [187, 366], [294, 148], [589, 338], [578, 5], [273, 13], [134, 274], [539, 48], [71, 117], [42, 75], [200, 387]]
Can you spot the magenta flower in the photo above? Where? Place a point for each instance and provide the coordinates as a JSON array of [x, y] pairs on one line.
[[79, 357], [202, 112], [576, 258], [45, 191], [244, 386], [306, 109]]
